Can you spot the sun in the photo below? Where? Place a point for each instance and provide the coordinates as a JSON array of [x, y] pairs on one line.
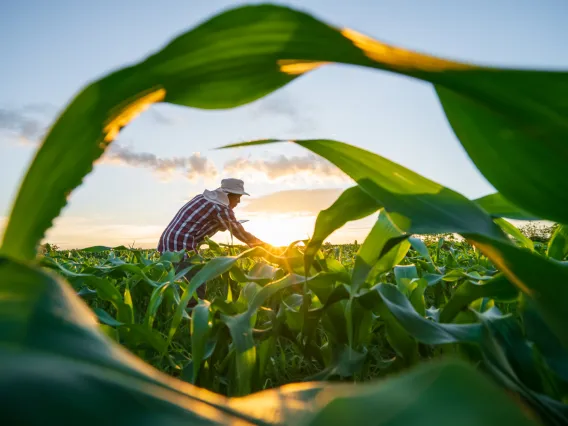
[[281, 230]]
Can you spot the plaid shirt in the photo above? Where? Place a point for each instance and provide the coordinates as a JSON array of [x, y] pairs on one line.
[[200, 218]]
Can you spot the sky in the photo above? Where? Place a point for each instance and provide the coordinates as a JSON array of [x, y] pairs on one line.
[[50, 50]]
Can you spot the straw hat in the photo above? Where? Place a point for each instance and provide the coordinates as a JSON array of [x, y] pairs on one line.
[[233, 186]]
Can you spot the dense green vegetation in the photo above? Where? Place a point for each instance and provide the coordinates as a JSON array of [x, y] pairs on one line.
[[266, 321], [135, 294], [474, 329]]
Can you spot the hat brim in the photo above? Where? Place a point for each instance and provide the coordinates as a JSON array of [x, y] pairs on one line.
[[231, 191]]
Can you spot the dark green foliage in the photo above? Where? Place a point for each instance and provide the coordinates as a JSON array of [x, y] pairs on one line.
[[350, 313]]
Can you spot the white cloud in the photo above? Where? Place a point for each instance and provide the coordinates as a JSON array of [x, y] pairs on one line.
[[283, 166], [26, 123], [190, 167], [283, 106]]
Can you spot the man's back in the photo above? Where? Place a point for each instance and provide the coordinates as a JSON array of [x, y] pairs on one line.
[[197, 219]]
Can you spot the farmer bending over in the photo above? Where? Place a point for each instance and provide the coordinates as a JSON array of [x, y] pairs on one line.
[[203, 216]]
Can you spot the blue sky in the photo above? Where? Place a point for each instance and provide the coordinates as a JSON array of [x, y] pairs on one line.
[[51, 49]]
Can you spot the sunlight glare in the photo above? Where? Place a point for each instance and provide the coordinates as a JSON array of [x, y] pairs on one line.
[[277, 230], [126, 113], [281, 230], [297, 67], [399, 58]]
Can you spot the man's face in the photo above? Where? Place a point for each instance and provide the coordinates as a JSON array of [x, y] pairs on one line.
[[234, 200]]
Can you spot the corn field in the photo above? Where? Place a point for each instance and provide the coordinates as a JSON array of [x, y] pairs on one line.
[[412, 326]]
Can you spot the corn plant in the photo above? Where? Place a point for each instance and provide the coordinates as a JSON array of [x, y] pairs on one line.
[[57, 358]]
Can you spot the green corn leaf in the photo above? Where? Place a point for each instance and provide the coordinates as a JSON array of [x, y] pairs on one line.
[[433, 279], [155, 301], [270, 290], [547, 343], [352, 204], [349, 321], [96, 249], [418, 205], [363, 324], [497, 206], [179, 275], [417, 296], [294, 318], [415, 204], [46, 261], [522, 368], [171, 257], [558, 244], [109, 331], [107, 291], [405, 346], [514, 232], [500, 352], [120, 269], [229, 298], [265, 350], [200, 332], [54, 355], [214, 247], [128, 302], [454, 275], [261, 273], [241, 332], [506, 122], [436, 384], [345, 363], [239, 56], [334, 322], [439, 246], [458, 274], [336, 267], [137, 335], [423, 330], [517, 350], [420, 247], [135, 270], [212, 269], [106, 318], [540, 278], [241, 329], [100, 249], [62, 363], [87, 293], [433, 313], [216, 267], [173, 290], [391, 258], [324, 285], [498, 288], [404, 276], [248, 291], [375, 247], [405, 272]]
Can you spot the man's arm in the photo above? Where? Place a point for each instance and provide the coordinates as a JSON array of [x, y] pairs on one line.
[[229, 221]]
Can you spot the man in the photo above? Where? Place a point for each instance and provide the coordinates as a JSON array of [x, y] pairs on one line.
[[203, 216]]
